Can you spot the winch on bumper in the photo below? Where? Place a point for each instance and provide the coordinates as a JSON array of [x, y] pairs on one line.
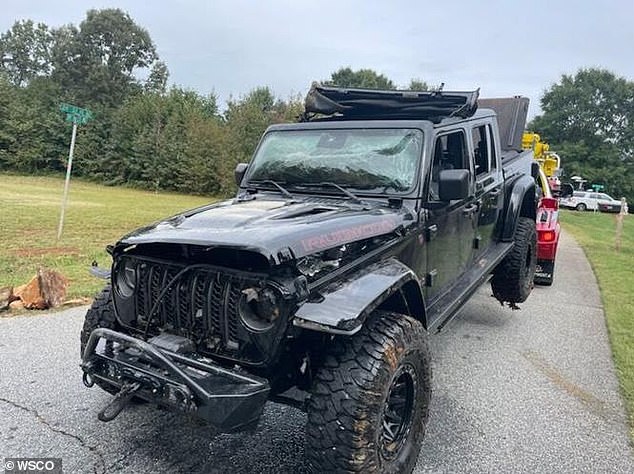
[[166, 371]]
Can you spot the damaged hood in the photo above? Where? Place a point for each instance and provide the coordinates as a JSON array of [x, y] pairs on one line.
[[275, 228]]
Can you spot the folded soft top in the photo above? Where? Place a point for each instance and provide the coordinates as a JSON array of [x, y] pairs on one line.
[[342, 103]]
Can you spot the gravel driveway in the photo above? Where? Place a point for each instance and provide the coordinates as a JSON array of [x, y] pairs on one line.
[[532, 390]]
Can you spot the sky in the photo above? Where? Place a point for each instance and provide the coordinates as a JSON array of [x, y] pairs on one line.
[[503, 47]]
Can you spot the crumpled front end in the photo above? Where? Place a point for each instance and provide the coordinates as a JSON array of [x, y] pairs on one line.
[[227, 302]]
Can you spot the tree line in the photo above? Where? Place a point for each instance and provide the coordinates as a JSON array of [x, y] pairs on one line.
[[144, 134], [149, 135]]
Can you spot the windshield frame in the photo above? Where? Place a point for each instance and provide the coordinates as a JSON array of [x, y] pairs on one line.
[[299, 188]]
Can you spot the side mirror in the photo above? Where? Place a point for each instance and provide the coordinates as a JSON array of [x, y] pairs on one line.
[[241, 169], [453, 184]]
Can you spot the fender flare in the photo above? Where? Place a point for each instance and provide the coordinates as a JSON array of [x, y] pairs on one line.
[[521, 203], [343, 306]]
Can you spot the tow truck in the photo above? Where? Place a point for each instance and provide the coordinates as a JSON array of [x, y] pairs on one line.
[[549, 186]]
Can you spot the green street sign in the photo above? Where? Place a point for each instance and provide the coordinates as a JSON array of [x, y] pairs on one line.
[[76, 114], [597, 187]]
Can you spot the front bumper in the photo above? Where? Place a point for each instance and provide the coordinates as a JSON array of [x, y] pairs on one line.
[[229, 400]]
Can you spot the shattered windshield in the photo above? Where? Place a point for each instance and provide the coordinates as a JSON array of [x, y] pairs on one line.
[[380, 160]]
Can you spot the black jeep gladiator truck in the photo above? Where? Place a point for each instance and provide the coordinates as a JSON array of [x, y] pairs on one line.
[[354, 234]]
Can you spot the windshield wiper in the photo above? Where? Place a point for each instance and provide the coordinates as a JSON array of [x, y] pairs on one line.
[[274, 183], [352, 196]]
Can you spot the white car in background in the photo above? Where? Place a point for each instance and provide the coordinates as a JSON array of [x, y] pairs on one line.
[[590, 200]]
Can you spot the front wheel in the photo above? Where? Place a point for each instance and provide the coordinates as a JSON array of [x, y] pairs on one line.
[[369, 403], [100, 315]]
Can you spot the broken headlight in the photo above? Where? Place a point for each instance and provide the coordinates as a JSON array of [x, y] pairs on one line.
[[259, 308], [125, 277], [315, 265]]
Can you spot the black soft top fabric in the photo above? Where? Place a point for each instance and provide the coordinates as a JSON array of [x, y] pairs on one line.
[[380, 104]]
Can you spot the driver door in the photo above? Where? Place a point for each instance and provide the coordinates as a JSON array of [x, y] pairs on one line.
[[450, 226]]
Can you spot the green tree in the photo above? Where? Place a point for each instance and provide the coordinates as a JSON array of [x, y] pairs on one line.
[[588, 119], [25, 51], [361, 78], [418, 85], [157, 80], [201, 169], [97, 62], [33, 130], [161, 141], [64, 54], [7, 98]]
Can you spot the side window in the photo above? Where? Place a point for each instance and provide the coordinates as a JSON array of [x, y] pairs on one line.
[[594, 196], [480, 139], [450, 153]]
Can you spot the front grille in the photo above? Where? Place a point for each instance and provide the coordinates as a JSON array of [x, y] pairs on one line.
[[201, 304]]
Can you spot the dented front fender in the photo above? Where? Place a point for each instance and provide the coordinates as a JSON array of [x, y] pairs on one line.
[[343, 306]]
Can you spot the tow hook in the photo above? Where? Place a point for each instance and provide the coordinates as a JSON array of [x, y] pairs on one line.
[[119, 402]]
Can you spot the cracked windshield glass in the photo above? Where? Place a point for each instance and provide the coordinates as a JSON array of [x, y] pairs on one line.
[[377, 160]]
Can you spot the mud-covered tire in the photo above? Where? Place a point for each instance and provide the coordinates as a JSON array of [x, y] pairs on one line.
[[100, 315], [512, 280], [366, 381]]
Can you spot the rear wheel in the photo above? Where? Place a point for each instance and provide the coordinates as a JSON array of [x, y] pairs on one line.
[[581, 207], [369, 403], [512, 280]]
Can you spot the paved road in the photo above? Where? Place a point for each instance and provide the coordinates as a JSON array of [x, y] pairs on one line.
[[515, 391]]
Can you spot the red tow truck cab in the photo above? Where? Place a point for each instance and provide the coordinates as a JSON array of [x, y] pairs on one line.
[[548, 230]]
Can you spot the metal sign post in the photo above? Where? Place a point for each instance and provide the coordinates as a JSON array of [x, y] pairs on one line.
[[76, 115]]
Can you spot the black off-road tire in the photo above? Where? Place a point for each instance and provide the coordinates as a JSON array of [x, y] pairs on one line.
[[100, 315], [512, 280], [365, 382], [581, 207]]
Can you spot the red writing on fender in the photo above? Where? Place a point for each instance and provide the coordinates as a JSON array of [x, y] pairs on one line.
[[330, 239]]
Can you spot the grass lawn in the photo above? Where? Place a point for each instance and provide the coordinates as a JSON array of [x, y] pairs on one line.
[[614, 270], [95, 216]]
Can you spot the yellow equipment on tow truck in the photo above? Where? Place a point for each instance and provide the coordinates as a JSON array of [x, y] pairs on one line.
[[549, 161]]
